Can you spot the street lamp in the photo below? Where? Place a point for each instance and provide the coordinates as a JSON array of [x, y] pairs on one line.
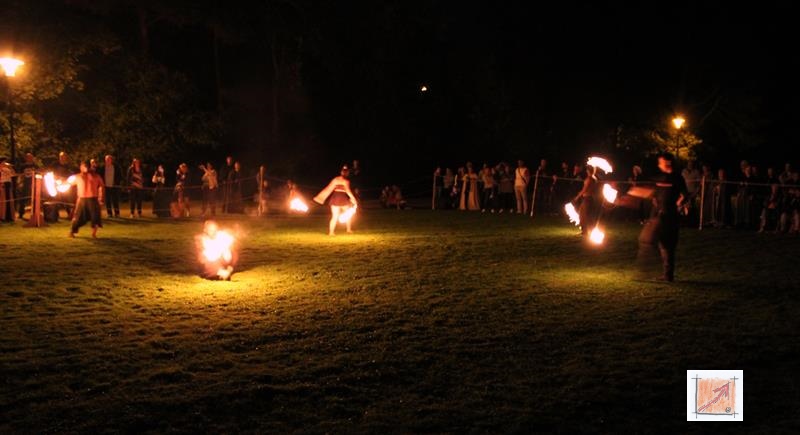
[[678, 122], [9, 66]]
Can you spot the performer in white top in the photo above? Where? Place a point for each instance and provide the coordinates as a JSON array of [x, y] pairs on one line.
[[341, 198]]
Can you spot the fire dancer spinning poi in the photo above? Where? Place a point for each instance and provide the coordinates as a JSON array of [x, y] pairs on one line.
[[342, 201], [216, 252]]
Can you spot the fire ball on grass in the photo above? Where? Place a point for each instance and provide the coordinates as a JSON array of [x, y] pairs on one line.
[[597, 236], [298, 205], [216, 252]]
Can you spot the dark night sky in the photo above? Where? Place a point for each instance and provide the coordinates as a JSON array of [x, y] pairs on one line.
[[506, 79]]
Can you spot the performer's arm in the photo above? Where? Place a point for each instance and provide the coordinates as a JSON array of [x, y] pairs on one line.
[[349, 192]]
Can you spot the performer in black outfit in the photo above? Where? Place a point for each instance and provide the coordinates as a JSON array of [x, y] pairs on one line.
[[662, 227]]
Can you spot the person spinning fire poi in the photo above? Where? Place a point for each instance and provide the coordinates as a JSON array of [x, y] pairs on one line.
[[90, 199], [216, 252], [341, 197], [668, 196], [588, 200]]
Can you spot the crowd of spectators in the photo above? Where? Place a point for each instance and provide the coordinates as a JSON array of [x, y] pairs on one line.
[[748, 199]]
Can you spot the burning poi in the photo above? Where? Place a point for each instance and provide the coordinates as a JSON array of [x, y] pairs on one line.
[[216, 252], [342, 201], [587, 216]]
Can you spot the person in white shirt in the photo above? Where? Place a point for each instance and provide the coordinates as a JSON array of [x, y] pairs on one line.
[[522, 177]]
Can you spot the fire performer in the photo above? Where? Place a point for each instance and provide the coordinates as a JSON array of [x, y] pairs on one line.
[[215, 252], [90, 200], [662, 227], [342, 200], [588, 205]]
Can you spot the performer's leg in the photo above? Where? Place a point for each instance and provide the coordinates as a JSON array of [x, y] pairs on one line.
[[334, 217]]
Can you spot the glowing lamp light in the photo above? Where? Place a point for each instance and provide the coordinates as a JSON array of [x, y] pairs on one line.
[[347, 215], [609, 193], [678, 122], [574, 217], [10, 65], [423, 88], [597, 236], [297, 204], [600, 163]]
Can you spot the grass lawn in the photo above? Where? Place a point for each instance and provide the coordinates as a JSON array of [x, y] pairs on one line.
[[421, 321]]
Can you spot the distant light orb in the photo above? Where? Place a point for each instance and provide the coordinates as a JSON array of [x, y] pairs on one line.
[[423, 88]]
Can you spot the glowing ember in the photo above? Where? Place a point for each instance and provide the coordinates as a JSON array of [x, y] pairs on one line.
[[572, 213], [600, 163], [609, 193], [597, 236], [347, 215], [50, 184], [216, 251], [297, 204]]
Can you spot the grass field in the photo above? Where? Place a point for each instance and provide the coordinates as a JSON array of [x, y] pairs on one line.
[[420, 322]]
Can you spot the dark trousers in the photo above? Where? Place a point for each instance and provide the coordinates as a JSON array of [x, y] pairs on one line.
[[88, 210], [112, 200], [660, 231], [588, 214], [8, 202], [209, 201], [488, 200], [136, 200]]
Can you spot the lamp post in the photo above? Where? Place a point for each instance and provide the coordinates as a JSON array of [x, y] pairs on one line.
[[9, 66], [678, 122]]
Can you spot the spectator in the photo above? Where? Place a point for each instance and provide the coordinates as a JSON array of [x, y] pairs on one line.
[[489, 189], [161, 206], [181, 205], [112, 178], [225, 179], [136, 187], [505, 188], [6, 190], [447, 186], [469, 190], [28, 170], [521, 179], [210, 188], [722, 200]]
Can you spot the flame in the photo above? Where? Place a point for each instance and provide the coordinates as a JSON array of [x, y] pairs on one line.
[[597, 236], [218, 246], [601, 163], [297, 204], [609, 193], [347, 215], [50, 184], [572, 213]]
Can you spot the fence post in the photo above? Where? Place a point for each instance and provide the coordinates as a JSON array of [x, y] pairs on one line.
[[535, 187], [36, 219]]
